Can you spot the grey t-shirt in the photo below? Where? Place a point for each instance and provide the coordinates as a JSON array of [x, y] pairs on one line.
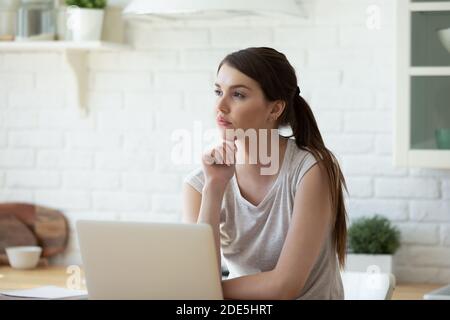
[[252, 236]]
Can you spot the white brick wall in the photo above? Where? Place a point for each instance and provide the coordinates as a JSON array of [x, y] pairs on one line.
[[307, 36], [414, 233], [69, 200], [359, 187], [3, 98], [116, 163], [446, 189], [406, 188], [146, 37], [241, 36], [36, 139], [445, 234], [32, 178], [430, 210], [61, 159], [16, 80], [34, 99], [49, 62], [16, 158], [394, 209], [120, 201]]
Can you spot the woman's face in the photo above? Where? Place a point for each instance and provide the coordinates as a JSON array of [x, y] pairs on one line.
[[240, 101]]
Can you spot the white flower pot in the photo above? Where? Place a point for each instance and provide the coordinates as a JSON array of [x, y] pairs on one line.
[[369, 263], [84, 24]]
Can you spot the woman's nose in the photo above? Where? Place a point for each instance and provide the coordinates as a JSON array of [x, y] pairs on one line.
[[222, 106]]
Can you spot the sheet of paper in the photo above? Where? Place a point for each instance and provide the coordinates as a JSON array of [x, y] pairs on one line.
[[46, 292]]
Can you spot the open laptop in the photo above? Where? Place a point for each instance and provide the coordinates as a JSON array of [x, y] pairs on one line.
[[136, 260]]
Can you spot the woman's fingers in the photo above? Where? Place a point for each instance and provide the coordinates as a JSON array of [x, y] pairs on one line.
[[222, 154], [230, 153], [208, 159], [227, 153], [218, 155]]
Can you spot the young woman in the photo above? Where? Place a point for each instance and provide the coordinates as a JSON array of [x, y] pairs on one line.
[[282, 236]]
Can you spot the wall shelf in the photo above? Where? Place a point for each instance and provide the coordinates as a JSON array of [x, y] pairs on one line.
[[60, 45], [429, 71], [423, 78], [429, 6], [429, 158], [75, 56]]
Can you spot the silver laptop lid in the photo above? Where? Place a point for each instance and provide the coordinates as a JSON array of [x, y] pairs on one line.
[[136, 260]]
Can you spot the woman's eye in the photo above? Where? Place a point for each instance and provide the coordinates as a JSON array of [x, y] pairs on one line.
[[239, 95], [236, 94]]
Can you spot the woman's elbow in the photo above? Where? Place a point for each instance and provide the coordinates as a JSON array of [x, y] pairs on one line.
[[287, 288], [289, 293]]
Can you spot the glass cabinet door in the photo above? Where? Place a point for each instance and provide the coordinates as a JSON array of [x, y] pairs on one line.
[[430, 111], [429, 80], [426, 46]]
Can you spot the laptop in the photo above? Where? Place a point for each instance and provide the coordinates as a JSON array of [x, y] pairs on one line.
[[442, 293], [136, 260]]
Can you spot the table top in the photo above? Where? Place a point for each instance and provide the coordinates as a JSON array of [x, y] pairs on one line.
[[11, 279], [61, 276]]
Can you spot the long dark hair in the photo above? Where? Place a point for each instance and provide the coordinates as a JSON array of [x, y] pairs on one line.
[[278, 81]]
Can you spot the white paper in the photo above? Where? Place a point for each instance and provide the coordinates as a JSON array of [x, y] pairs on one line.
[[46, 292]]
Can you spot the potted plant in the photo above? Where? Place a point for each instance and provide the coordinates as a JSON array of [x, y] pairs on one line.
[[371, 243], [85, 19]]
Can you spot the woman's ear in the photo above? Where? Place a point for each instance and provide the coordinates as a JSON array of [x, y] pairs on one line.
[[277, 108]]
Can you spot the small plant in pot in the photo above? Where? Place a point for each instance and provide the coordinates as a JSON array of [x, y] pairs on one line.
[[372, 241], [85, 19]]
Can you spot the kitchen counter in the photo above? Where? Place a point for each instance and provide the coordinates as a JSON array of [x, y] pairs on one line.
[[57, 275]]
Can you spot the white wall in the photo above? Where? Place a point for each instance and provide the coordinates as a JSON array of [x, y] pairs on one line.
[[116, 163]]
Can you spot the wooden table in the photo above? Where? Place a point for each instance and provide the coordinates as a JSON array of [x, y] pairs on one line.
[[58, 276], [414, 291], [11, 279]]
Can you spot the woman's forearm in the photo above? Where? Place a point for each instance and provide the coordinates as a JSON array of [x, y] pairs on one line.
[[259, 286], [212, 195]]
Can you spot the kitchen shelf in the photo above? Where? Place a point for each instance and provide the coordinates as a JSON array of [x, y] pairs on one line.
[[423, 78], [75, 56], [429, 6], [429, 71], [429, 158], [60, 45]]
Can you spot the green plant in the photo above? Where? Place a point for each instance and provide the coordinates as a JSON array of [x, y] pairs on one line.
[[373, 235], [89, 4]]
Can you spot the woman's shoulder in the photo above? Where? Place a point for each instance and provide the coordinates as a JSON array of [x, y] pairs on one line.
[[300, 157], [301, 160]]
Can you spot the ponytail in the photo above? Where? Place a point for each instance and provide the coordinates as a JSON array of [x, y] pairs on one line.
[[308, 137]]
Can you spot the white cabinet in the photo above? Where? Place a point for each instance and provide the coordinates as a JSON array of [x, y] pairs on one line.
[[423, 85]]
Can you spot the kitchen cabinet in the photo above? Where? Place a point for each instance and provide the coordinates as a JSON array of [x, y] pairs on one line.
[[423, 85]]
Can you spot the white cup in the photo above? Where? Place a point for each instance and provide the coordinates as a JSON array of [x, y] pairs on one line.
[[23, 257]]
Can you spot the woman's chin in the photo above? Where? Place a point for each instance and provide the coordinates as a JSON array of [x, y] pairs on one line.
[[227, 131]]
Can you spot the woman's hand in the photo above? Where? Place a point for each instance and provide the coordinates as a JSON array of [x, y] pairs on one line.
[[219, 164]]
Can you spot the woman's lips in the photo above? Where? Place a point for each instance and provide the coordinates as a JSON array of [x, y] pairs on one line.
[[221, 122]]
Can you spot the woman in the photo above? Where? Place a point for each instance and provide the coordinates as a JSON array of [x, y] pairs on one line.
[[282, 236]]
